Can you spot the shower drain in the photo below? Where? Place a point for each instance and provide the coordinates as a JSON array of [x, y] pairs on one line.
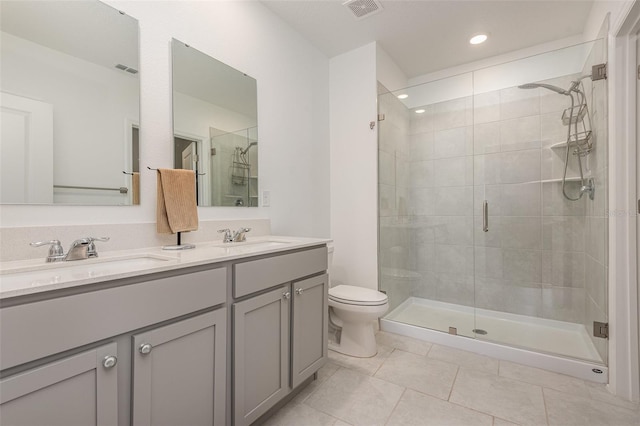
[[479, 331]]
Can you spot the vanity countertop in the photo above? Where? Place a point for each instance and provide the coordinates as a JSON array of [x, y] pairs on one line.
[[26, 277]]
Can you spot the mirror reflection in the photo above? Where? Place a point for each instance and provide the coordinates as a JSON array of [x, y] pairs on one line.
[[69, 93], [215, 126]]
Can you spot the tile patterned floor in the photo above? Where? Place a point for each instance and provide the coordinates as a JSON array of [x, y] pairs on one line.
[[411, 382]]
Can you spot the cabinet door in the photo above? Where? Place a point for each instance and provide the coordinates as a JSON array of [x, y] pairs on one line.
[[79, 390], [309, 327], [179, 373], [261, 353]]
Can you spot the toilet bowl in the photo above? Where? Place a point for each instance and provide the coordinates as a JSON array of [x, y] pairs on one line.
[[352, 312]]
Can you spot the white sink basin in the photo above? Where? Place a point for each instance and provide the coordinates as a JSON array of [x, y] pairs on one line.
[[52, 273]]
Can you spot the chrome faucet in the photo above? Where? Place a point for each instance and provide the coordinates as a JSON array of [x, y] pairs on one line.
[[234, 237], [227, 238], [84, 248], [56, 252], [239, 236]]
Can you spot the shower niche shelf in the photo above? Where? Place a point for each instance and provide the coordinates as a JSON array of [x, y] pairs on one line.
[[583, 140], [569, 179]]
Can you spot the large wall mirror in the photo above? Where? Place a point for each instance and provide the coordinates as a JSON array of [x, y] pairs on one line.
[[215, 127], [69, 92]]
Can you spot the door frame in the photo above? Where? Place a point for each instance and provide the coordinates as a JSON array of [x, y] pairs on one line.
[[204, 185], [624, 360]]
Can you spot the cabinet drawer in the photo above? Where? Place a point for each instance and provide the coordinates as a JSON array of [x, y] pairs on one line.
[[35, 330], [261, 274]]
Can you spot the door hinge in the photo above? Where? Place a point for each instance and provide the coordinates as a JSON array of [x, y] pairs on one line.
[[195, 158], [213, 151], [599, 72], [638, 72], [380, 117], [601, 329], [639, 206]]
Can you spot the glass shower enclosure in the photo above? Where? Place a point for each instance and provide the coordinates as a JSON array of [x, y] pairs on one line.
[[493, 200]]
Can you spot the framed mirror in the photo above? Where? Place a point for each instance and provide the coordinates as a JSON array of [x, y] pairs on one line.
[[215, 127], [69, 94]]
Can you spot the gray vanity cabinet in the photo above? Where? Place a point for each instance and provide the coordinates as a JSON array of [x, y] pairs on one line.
[[179, 372], [309, 327], [279, 328], [81, 389], [261, 353]]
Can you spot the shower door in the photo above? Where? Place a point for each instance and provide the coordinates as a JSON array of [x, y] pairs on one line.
[[478, 236], [541, 143], [426, 262]]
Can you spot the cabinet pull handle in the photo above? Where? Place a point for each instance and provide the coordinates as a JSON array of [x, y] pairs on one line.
[[145, 348], [109, 361], [286, 295], [299, 291]]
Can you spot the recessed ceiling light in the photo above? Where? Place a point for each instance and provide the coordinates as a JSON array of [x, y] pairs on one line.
[[478, 38], [419, 111], [403, 96]]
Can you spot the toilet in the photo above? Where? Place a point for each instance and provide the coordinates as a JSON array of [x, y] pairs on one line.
[[352, 312]]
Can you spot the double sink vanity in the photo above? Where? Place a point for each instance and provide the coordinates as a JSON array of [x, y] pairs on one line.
[[215, 335]]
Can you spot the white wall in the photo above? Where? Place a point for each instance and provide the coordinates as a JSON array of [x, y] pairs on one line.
[[354, 167], [293, 115], [388, 73]]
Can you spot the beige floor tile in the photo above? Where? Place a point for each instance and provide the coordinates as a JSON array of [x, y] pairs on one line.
[[567, 410], [356, 398], [544, 378], [429, 376], [323, 374], [299, 414], [464, 358], [499, 422], [364, 365], [599, 392], [418, 409], [501, 397], [404, 343]]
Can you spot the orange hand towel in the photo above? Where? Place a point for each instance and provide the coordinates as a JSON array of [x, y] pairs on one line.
[[177, 210]]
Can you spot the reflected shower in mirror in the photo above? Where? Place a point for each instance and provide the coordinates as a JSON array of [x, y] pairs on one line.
[[69, 92], [215, 127]]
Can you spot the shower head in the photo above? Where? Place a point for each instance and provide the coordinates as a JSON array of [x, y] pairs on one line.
[[544, 86], [244, 151]]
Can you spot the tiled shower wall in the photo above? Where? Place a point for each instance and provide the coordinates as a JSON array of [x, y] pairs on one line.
[[436, 168]]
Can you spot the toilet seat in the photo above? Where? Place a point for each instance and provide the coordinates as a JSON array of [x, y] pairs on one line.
[[353, 295]]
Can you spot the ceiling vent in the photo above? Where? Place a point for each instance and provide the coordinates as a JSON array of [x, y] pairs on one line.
[[363, 8], [127, 69]]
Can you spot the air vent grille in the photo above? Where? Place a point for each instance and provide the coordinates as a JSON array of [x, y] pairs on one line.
[[363, 8], [127, 69]]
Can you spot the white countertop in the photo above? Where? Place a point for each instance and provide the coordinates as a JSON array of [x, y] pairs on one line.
[[25, 277]]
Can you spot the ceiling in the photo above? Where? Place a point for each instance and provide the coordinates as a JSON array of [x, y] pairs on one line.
[[431, 35]]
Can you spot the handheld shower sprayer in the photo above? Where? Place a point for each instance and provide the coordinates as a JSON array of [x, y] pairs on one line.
[[579, 140], [545, 86], [244, 151]]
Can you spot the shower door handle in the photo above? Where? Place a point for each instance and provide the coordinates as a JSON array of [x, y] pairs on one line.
[[485, 216]]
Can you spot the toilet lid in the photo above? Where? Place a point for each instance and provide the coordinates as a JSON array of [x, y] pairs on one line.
[[353, 295]]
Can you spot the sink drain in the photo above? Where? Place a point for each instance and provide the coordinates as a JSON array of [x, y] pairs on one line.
[[479, 331]]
